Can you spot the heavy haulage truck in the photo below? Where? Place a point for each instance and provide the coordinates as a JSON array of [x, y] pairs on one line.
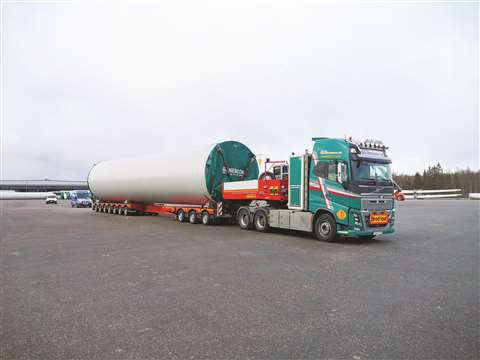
[[342, 187]]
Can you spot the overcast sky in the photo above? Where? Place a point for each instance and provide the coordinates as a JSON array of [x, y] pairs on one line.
[[85, 82]]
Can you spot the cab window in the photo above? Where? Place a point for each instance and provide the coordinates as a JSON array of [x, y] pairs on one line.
[[326, 169]]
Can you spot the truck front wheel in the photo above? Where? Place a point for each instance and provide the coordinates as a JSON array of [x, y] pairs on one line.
[[326, 228]]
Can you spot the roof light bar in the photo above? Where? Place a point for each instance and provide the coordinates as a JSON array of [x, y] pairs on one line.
[[368, 144]]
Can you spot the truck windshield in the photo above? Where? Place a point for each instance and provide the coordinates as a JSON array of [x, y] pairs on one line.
[[83, 196], [371, 170]]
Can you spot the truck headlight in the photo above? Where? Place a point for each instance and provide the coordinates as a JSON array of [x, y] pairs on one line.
[[356, 219]]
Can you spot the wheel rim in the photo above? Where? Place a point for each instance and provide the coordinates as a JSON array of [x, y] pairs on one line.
[[261, 221], [325, 228], [192, 217], [181, 216], [125, 212], [244, 219], [205, 218]]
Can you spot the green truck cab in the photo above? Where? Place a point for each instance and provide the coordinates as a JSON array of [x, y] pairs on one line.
[[350, 188], [340, 188]]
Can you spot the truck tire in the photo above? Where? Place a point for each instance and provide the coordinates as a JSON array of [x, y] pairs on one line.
[[326, 228], [192, 217], [244, 220], [260, 221], [206, 218], [181, 216], [125, 211]]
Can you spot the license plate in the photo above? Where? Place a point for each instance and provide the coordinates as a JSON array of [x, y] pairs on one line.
[[379, 219]]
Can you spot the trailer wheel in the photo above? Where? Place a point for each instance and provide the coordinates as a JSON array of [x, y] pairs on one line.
[[326, 228], [192, 217], [114, 210], [260, 220], [181, 215], [206, 218], [244, 219], [125, 211]]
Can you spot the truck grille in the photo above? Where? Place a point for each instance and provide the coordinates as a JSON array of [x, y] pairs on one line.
[[377, 204]]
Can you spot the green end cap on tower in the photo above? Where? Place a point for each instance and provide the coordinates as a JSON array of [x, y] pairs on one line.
[[229, 161]]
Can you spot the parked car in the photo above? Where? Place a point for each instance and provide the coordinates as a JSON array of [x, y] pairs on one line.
[[80, 198], [51, 199]]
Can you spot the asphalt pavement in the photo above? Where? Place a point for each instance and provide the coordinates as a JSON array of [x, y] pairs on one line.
[[75, 284]]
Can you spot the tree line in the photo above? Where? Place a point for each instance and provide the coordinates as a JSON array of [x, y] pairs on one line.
[[435, 178]]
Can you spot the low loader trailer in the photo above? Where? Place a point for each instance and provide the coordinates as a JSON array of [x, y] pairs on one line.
[[341, 188]]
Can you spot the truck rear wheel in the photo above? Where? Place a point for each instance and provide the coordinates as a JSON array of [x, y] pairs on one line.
[[244, 219], [206, 218], [326, 228], [125, 211], [260, 220], [192, 217], [181, 215]]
